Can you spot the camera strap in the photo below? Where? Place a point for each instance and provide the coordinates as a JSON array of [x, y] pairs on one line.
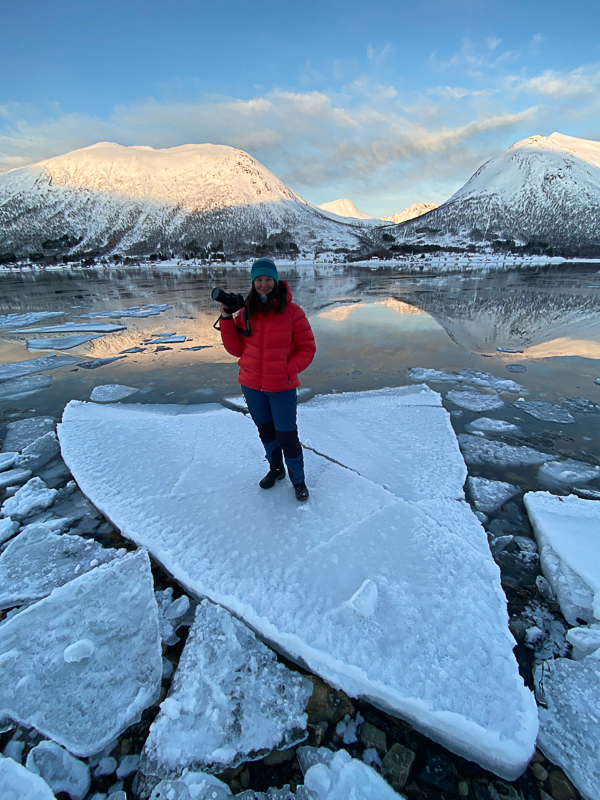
[[245, 331]]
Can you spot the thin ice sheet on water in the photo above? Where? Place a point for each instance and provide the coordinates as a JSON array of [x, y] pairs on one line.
[[562, 475], [17, 388], [39, 452], [396, 600], [423, 374], [547, 412], [478, 450], [488, 424], [567, 530], [9, 321], [111, 393], [19, 368], [489, 381], [60, 342], [569, 731], [475, 401], [74, 327], [230, 701], [18, 783], [38, 560], [488, 495], [89, 656]]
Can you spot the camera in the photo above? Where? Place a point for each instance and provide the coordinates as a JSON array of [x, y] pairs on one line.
[[232, 302]]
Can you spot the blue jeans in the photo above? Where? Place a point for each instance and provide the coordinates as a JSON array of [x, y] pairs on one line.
[[274, 414]]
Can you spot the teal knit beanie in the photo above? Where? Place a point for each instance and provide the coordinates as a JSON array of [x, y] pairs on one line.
[[264, 266]]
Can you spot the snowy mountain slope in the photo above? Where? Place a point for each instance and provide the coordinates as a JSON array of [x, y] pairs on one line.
[[541, 190], [137, 200], [344, 208], [410, 212]]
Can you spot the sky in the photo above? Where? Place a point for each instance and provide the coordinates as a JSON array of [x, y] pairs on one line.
[[386, 103]]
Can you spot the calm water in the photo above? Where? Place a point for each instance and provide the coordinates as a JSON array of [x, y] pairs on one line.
[[370, 326]]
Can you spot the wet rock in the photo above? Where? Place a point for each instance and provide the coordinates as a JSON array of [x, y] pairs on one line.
[[327, 704], [463, 788], [440, 773], [561, 787], [373, 737], [482, 790], [539, 772], [396, 766]]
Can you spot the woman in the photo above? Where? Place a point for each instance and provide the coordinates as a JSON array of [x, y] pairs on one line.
[[280, 344]]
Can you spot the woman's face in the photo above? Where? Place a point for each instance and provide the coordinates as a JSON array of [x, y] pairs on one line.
[[264, 284]]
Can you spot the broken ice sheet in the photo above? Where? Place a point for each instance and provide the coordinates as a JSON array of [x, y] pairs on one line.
[[17, 388], [18, 783], [111, 393], [33, 496], [488, 495], [547, 412], [341, 776], [60, 342], [230, 701], [74, 327], [9, 321], [475, 401], [38, 560], [491, 425], [19, 368], [61, 771], [562, 475], [89, 655], [477, 450], [23, 432], [40, 452]]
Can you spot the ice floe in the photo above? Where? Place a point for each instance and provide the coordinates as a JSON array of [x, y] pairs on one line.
[[141, 312], [18, 783], [38, 560], [230, 701], [166, 340], [581, 404], [86, 701], [562, 475], [478, 450], [100, 362], [434, 646], [585, 641], [547, 412], [111, 393], [39, 452], [488, 495], [8, 528], [12, 477], [475, 401], [338, 776], [567, 530], [60, 343], [471, 376], [23, 432], [488, 424], [424, 374], [19, 368], [74, 327], [33, 496], [569, 696], [8, 321], [17, 388], [515, 368], [61, 771]]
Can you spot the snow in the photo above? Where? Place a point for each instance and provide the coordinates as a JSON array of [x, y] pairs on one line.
[[60, 342], [33, 496], [569, 731], [17, 388], [8, 321], [111, 393], [548, 412], [19, 368], [489, 496], [561, 475], [478, 450], [18, 783], [342, 777], [72, 327], [38, 560], [344, 208], [85, 704], [410, 212], [23, 432], [61, 771], [492, 425], [230, 701], [567, 530], [475, 401], [288, 570]]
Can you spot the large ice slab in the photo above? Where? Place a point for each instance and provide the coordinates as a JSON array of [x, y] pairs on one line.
[[19, 368], [73, 327], [81, 665], [18, 783], [393, 600], [230, 701], [567, 530], [18, 388], [61, 342], [8, 321], [569, 693]]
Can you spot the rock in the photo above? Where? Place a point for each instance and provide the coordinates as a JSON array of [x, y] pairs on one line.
[[463, 788], [396, 766], [316, 735], [561, 787], [440, 773], [279, 757], [539, 772], [371, 736], [327, 704], [61, 771]]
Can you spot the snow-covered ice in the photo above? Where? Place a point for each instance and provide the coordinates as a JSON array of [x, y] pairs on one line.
[[84, 704], [111, 393], [33, 496], [166, 340], [23, 432], [8, 321], [61, 771], [38, 560], [18, 783], [475, 401], [424, 374], [488, 495], [478, 450], [338, 776], [569, 736], [39, 452], [230, 701], [19, 368], [60, 342], [491, 425], [585, 640], [561, 475], [17, 388], [473, 377], [74, 327], [172, 614], [11, 477], [547, 412], [567, 530], [8, 528], [581, 405], [435, 650], [192, 786], [7, 460]]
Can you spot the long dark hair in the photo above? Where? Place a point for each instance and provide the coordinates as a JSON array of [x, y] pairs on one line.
[[277, 300]]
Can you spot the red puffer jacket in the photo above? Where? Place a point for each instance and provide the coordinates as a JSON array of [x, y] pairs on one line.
[[280, 346]]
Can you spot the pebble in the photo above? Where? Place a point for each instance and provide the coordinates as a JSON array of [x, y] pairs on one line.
[[371, 736], [396, 766], [540, 773]]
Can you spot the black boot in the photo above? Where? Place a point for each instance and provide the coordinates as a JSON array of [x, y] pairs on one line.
[[276, 470], [301, 490]]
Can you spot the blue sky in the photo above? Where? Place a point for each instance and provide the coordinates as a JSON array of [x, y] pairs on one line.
[[387, 103]]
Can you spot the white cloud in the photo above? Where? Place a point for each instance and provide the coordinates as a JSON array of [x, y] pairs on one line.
[[379, 56]]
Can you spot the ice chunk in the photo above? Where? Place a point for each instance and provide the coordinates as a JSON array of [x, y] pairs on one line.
[[33, 496], [8, 321], [18, 783], [14, 476], [436, 650], [492, 425], [488, 496], [60, 342], [230, 701], [345, 777], [166, 340], [508, 350], [516, 368], [128, 765], [364, 600], [477, 450], [111, 393], [23, 432], [585, 641], [172, 614], [489, 381], [581, 404], [39, 452], [424, 374], [71, 327], [548, 412], [61, 771], [78, 651], [567, 530], [561, 475], [569, 694], [19, 368], [17, 388], [192, 786], [84, 704], [99, 362], [475, 401], [38, 561], [8, 528], [7, 460]]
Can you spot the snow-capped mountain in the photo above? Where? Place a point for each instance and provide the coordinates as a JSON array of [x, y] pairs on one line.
[[410, 212], [136, 200], [344, 208], [541, 191]]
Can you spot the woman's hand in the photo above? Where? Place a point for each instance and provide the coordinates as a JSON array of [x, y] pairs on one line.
[[224, 314]]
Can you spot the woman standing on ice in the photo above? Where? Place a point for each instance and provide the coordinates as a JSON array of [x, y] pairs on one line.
[[280, 345]]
